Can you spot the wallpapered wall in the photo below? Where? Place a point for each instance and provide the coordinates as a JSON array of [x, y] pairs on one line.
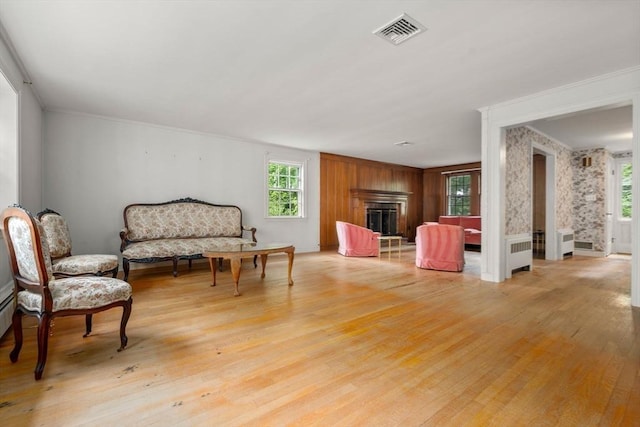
[[588, 219], [518, 178], [574, 183]]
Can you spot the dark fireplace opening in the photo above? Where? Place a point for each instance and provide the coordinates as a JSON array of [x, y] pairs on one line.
[[383, 217]]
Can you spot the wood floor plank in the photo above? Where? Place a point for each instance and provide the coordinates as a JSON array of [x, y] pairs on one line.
[[356, 341]]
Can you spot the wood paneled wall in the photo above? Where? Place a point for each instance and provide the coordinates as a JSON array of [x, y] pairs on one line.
[[434, 199], [340, 174]]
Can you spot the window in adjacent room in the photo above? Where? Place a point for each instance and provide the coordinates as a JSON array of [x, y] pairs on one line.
[[625, 190], [285, 189], [459, 195], [463, 193]]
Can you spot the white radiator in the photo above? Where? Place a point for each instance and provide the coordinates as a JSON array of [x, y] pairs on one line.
[[519, 253], [565, 242], [6, 307]]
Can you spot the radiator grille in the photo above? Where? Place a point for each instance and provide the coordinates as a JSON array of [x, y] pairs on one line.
[[567, 237], [520, 247], [583, 244]]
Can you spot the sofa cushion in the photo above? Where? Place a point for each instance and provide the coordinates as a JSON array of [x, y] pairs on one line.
[[471, 222], [167, 248], [85, 264], [84, 292]]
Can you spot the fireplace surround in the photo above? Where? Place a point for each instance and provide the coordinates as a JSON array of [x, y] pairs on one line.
[[383, 211]]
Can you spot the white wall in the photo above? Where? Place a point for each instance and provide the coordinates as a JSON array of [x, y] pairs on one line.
[[95, 166], [30, 151]]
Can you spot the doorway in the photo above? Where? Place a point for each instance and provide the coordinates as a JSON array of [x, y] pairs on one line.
[[543, 201], [538, 232]]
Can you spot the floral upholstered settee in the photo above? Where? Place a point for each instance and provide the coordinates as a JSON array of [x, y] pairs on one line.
[[179, 229]]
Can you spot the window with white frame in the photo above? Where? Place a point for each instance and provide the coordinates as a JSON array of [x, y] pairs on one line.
[[462, 189], [8, 143], [625, 192], [285, 189]]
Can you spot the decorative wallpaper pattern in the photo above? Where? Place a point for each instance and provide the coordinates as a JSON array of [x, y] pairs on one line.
[[576, 186], [590, 182], [518, 180]]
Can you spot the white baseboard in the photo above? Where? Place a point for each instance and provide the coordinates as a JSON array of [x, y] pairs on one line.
[[595, 254]]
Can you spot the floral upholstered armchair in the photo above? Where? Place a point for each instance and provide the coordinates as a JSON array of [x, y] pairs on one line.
[[38, 293], [63, 263]]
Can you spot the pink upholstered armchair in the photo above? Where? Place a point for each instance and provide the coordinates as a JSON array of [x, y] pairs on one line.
[[440, 247], [355, 240]]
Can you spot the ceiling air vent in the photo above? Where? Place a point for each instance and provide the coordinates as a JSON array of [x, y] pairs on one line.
[[400, 29]]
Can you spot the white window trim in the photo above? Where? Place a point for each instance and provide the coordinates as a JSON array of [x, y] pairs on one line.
[[10, 106], [286, 160], [619, 163]]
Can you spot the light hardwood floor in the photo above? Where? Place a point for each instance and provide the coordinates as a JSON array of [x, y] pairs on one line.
[[355, 342]]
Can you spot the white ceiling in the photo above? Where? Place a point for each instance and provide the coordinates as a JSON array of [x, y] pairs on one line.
[[609, 127], [311, 75]]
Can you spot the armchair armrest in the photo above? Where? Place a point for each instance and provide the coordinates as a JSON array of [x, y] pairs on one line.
[[252, 230], [124, 233]]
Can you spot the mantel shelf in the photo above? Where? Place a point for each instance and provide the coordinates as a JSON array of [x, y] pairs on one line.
[[356, 192]]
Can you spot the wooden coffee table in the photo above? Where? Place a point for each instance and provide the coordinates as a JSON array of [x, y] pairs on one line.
[[235, 253]]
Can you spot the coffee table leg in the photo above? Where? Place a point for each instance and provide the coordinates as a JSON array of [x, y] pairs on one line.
[[212, 264], [290, 267], [235, 272], [263, 260]]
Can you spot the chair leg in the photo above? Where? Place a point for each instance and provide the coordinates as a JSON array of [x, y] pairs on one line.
[[114, 272], [126, 312], [175, 266], [125, 268], [88, 321], [43, 343], [17, 333]]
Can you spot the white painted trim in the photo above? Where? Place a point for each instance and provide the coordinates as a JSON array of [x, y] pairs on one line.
[[553, 92], [593, 254], [635, 223], [492, 203]]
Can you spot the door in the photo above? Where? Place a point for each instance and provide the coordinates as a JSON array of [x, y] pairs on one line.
[[610, 186], [622, 212]]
